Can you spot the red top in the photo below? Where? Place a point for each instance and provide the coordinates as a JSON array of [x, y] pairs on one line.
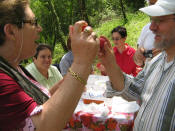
[[15, 104], [125, 60]]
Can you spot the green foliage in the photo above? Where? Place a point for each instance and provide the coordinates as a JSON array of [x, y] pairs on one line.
[[62, 13], [58, 53], [134, 5], [55, 16]]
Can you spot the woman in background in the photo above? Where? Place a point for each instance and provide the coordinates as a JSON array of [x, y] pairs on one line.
[[41, 68]]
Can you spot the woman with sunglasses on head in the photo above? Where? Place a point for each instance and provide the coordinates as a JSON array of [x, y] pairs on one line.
[[23, 103], [41, 68], [123, 52]]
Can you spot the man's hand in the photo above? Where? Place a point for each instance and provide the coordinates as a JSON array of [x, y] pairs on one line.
[[138, 57]]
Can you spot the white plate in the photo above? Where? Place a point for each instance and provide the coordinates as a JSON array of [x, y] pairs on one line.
[[128, 107]]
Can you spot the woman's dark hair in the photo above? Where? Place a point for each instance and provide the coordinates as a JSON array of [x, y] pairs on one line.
[[121, 30], [11, 12], [42, 47]]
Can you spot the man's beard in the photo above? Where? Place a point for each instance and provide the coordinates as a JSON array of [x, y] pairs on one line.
[[164, 44]]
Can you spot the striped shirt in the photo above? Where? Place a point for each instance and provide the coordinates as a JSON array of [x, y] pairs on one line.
[[154, 87], [53, 75]]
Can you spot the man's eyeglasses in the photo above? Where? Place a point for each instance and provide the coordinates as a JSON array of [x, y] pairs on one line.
[[158, 21], [115, 39], [32, 22]]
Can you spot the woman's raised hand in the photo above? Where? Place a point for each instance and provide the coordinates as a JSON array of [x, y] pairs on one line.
[[84, 43]]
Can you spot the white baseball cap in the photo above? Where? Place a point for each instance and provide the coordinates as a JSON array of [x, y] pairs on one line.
[[160, 8]]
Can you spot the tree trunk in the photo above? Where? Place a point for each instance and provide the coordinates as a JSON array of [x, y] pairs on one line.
[[58, 32], [82, 11], [123, 11]]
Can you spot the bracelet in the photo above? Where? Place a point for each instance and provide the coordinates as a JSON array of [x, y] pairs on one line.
[[77, 77]]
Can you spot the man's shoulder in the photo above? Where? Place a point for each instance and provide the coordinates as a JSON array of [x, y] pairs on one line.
[[67, 57], [146, 38], [146, 27], [153, 63]]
